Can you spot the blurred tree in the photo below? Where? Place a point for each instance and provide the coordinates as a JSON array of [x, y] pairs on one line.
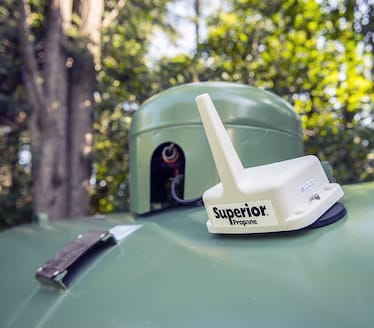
[[308, 53], [59, 76], [126, 79], [66, 48], [15, 178]]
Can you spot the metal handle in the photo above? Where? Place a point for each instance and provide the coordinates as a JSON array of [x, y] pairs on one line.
[[55, 271]]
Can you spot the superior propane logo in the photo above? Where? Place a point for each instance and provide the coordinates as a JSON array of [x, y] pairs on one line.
[[259, 213]]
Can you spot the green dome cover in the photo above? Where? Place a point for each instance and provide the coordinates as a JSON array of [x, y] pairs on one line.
[[237, 104], [262, 127]]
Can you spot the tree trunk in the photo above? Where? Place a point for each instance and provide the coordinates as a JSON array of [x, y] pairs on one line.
[[82, 86], [61, 99], [34, 93], [54, 157], [80, 131], [47, 115]]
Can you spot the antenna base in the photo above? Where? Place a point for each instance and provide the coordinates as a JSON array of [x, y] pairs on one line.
[[282, 196]]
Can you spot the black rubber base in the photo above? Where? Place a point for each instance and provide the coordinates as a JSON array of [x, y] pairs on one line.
[[333, 214]]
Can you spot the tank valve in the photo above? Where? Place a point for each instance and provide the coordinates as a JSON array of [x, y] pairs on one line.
[[170, 155]]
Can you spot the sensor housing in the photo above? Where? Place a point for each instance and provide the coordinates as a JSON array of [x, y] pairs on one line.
[[282, 196]]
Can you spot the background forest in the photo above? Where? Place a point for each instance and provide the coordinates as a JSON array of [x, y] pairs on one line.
[[72, 73]]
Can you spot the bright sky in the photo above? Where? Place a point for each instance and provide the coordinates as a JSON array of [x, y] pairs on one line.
[[161, 45], [181, 14]]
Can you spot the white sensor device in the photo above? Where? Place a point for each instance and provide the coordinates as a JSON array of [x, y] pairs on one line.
[[282, 196]]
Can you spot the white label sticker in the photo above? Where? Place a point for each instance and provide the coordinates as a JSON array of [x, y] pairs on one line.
[[120, 232], [308, 186], [258, 213]]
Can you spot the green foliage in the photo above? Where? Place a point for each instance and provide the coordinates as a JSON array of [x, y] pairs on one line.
[[309, 54], [111, 162], [15, 182], [125, 81], [15, 178], [174, 71]]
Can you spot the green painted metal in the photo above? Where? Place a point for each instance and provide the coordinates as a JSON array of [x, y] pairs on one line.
[[262, 126], [172, 273]]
